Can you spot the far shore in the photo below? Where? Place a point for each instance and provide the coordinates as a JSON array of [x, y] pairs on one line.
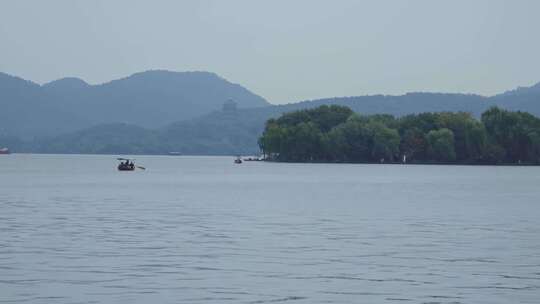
[[410, 163], [251, 158]]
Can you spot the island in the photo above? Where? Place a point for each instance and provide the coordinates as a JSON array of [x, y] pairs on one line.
[[337, 134]]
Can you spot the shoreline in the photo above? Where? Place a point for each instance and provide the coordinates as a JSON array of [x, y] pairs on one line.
[[412, 163], [523, 164]]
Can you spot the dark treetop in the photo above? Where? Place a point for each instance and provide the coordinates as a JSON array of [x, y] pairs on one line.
[[337, 134]]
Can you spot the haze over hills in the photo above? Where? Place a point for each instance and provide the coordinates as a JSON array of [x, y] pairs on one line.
[[158, 111], [23, 112], [149, 99], [229, 132]]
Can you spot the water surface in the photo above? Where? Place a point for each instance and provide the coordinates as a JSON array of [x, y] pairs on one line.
[[203, 230]]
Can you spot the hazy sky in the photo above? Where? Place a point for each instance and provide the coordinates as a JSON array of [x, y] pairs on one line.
[[283, 50]]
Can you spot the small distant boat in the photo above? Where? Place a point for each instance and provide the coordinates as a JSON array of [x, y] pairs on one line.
[[127, 165], [174, 153], [4, 151], [238, 160]]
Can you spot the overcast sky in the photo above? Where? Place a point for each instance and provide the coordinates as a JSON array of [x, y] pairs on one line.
[[284, 50]]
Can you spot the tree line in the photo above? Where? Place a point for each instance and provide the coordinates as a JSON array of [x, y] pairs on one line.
[[337, 134]]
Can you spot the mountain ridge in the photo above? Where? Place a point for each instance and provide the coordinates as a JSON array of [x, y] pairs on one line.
[[535, 88], [208, 131], [150, 99], [236, 132]]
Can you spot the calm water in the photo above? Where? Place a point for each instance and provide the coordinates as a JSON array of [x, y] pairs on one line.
[[203, 230]]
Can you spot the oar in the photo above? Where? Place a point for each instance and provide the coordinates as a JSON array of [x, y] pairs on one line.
[[142, 168]]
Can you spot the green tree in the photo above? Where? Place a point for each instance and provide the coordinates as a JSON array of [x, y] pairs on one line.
[[324, 117], [515, 131], [306, 140], [441, 145], [333, 133], [272, 140], [413, 144], [350, 141], [384, 141], [469, 134]]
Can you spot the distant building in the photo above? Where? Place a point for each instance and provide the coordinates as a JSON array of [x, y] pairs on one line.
[[230, 106]]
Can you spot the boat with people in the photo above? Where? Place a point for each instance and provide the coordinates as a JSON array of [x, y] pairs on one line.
[[238, 160], [127, 164]]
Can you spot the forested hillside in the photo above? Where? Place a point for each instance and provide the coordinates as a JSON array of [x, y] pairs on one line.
[[337, 134]]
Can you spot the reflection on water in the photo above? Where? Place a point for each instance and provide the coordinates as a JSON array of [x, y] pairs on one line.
[[201, 229]]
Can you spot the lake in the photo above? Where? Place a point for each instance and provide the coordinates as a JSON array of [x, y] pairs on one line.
[[204, 230]]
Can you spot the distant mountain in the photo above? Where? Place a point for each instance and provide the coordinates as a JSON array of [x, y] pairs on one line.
[[217, 133], [399, 105], [521, 99], [132, 124], [66, 84], [149, 99], [531, 91], [102, 139], [25, 112], [230, 132]]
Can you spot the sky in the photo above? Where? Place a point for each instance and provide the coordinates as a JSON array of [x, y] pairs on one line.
[[283, 50]]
